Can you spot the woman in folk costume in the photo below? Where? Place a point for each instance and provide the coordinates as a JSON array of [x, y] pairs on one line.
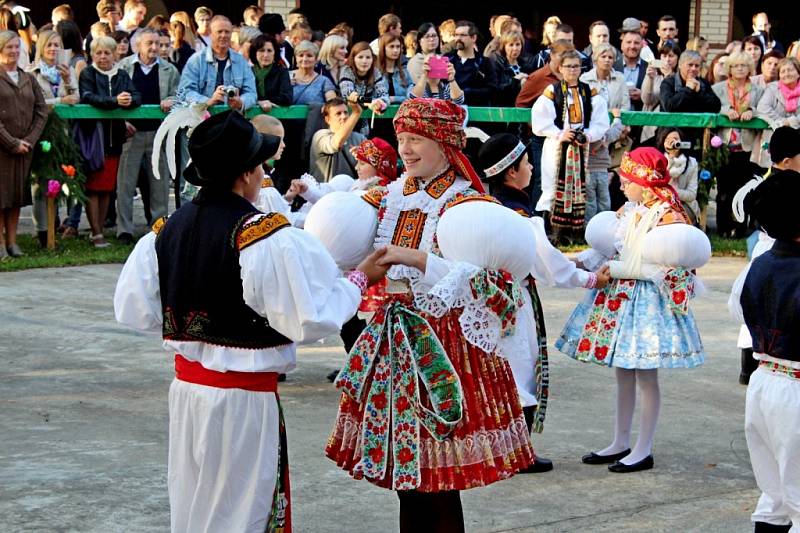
[[571, 116], [505, 162], [429, 408], [641, 321]]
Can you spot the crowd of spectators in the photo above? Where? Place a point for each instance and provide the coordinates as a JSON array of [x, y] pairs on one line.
[[127, 60]]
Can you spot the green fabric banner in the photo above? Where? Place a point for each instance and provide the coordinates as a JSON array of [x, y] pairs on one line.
[[476, 114]]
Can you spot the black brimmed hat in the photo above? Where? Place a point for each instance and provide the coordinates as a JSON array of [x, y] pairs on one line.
[[225, 146]]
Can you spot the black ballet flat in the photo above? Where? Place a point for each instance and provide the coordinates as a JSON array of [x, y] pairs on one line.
[[540, 464], [592, 458], [622, 468]]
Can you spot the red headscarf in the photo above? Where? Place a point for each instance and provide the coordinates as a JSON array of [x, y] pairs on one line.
[[648, 167], [379, 154], [443, 122]]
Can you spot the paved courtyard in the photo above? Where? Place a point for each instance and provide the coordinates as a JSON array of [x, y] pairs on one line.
[[83, 428]]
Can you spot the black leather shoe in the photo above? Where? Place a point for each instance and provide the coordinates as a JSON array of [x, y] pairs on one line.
[[332, 376], [763, 527], [622, 468], [540, 464], [592, 458]]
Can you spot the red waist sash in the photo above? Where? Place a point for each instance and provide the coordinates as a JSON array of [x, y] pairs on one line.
[[194, 372]]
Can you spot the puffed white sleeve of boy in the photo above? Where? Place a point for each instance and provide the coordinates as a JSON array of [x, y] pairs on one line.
[[598, 122], [543, 115], [291, 279], [553, 268], [734, 300], [271, 201], [137, 296]]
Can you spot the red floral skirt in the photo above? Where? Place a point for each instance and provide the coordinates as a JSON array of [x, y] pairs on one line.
[[490, 443], [105, 179]]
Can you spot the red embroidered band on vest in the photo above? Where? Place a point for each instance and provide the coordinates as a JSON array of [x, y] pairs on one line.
[[194, 372]]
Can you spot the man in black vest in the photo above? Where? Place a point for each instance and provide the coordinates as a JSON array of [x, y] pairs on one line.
[[770, 307], [231, 289]]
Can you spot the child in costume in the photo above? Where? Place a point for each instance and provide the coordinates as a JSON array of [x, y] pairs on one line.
[[641, 321], [505, 162], [767, 300]]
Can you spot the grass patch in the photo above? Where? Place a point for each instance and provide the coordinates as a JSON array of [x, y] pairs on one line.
[[79, 252], [69, 252], [722, 247]]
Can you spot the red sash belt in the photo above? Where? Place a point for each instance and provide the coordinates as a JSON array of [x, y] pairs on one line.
[[194, 372]]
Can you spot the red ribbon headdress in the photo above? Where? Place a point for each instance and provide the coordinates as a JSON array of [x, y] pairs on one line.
[[379, 154], [443, 122], [648, 167]]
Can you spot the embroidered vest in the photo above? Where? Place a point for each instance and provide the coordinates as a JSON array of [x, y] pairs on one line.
[[771, 301], [199, 275], [560, 101]]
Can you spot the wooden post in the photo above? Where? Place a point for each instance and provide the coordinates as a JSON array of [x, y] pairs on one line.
[[51, 223]]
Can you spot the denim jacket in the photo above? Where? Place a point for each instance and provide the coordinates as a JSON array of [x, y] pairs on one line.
[[199, 78]]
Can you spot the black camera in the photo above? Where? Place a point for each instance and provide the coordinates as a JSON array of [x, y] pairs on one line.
[[363, 102], [580, 136]]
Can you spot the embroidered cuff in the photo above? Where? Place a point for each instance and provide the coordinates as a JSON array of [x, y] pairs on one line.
[[359, 279], [591, 283]]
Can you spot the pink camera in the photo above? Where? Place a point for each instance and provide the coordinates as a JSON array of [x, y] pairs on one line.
[[438, 66]]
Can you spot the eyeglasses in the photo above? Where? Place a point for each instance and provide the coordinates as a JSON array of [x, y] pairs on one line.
[[571, 67]]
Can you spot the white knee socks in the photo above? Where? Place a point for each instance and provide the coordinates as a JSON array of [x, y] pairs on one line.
[[626, 403], [651, 405]]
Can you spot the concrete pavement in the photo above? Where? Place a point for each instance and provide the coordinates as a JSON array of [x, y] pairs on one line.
[[83, 428]]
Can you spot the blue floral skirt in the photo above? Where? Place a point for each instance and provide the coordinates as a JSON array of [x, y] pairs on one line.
[[632, 324]]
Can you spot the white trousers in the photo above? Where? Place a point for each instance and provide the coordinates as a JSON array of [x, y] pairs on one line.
[[223, 458], [772, 428], [523, 353]]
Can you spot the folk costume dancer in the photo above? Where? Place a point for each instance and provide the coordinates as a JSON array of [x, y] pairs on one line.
[[231, 289], [419, 393], [570, 117], [784, 151], [641, 321], [768, 302], [505, 162]]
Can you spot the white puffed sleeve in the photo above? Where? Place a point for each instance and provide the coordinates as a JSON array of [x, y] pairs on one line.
[[316, 190], [137, 297], [290, 279], [271, 201], [601, 235], [734, 300], [550, 266], [543, 118], [676, 245], [346, 225], [469, 233], [598, 122]]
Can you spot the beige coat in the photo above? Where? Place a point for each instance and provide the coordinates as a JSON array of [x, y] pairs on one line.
[[772, 108], [750, 138], [23, 114], [64, 89]]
